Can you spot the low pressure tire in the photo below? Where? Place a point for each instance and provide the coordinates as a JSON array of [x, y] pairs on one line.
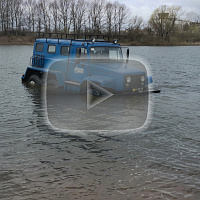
[[34, 80]]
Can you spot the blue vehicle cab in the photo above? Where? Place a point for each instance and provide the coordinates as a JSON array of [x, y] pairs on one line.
[[71, 63]]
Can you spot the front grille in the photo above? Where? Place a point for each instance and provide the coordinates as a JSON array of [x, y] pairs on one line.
[[37, 60], [135, 82]]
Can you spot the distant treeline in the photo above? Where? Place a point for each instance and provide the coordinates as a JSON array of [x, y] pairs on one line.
[[76, 16], [22, 17]]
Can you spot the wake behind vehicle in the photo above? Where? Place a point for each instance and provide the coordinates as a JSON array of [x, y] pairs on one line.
[[72, 63]]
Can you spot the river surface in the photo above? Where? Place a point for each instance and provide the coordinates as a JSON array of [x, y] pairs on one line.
[[161, 160]]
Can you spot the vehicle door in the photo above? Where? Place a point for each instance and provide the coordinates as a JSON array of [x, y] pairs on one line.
[[78, 67]]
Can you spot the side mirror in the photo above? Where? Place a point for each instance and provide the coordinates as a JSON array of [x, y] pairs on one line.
[[127, 53]]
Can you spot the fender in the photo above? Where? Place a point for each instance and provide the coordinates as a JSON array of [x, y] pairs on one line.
[[33, 70], [58, 68]]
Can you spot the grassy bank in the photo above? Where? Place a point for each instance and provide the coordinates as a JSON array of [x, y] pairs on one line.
[[17, 40], [157, 41], [147, 41]]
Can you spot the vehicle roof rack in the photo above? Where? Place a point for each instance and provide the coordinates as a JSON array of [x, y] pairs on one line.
[[75, 37]]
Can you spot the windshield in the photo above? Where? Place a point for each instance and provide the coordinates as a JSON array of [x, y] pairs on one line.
[[111, 54]]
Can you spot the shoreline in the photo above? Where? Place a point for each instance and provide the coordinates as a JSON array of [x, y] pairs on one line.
[[17, 40], [28, 40]]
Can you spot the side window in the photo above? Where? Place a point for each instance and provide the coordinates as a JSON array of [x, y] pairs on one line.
[[51, 49], [64, 51], [39, 47], [81, 53]]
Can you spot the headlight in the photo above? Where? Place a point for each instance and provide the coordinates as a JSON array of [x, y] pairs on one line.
[[142, 78], [128, 79]]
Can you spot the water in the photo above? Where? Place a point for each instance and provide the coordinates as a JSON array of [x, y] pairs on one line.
[[159, 161]]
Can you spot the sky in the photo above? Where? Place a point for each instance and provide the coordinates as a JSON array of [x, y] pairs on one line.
[[145, 8]]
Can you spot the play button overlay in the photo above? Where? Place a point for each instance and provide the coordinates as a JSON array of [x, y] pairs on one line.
[[90, 106], [96, 94]]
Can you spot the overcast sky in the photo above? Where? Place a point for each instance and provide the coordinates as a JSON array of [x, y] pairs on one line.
[[144, 8]]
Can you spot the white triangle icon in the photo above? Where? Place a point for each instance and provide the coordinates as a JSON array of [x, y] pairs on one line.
[[96, 94]]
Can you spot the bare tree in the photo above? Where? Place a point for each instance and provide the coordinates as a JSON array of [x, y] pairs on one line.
[[73, 14], [100, 14], [93, 15], [38, 17], [30, 6], [5, 13], [53, 7], [192, 17], [2, 13], [64, 8], [135, 27], [123, 13], [44, 4], [109, 17], [115, 17], [135, 23], [163, 19], [96, 15], [18, 14], [80, 9]]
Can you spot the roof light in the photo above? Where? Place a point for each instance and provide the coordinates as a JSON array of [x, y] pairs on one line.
[[115, 41]]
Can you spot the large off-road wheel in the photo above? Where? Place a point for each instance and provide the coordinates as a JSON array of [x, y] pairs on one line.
[[35, 80]]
